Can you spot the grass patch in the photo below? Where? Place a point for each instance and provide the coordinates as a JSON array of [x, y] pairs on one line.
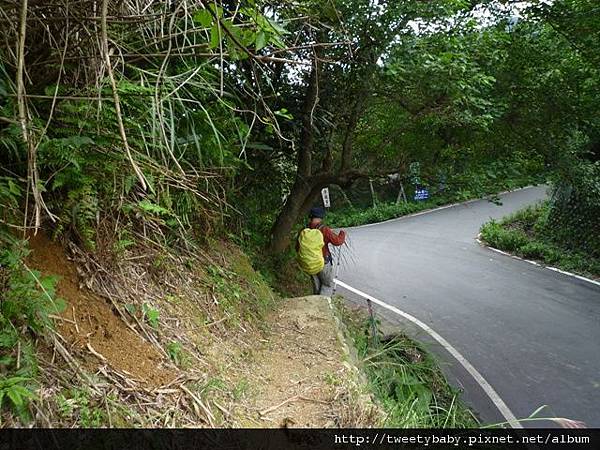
[[77, 407], [526, 234], [405, 380], [241, 292], [280, 271], [352, 217]]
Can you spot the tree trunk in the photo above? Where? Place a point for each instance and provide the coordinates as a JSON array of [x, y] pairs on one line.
[[303, 196], [303, 185], [308, 185], [282, 228], [311, 200]]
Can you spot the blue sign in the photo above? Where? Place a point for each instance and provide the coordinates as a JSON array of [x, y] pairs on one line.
[[421, 194]]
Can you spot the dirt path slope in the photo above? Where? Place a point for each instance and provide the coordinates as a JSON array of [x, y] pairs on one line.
[[91, 328], [291, 369], [301, 374]]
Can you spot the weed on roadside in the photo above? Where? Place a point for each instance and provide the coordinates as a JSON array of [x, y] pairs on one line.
[[526, 234], [406, 380]]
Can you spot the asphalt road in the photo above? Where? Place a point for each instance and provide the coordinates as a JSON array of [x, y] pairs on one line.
[[532, 333]]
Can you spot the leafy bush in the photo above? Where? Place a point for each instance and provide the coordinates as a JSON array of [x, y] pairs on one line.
[[478, 182], [76, 405], [528, 234], [380, 212], [498, 236], [573, 216], [28, 300]]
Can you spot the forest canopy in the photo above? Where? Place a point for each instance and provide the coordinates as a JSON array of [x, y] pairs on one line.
[[178, 119]]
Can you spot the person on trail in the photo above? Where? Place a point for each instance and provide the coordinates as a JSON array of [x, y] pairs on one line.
[[314, 257]]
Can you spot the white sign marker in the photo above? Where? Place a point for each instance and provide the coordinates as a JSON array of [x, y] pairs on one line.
[[325, 196]]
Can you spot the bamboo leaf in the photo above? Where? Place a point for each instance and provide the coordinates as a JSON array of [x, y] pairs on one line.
[[204, 18]]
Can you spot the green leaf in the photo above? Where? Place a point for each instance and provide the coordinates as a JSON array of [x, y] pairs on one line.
[[58, 306], [217, 10], [204, 18], [276, 41], [284, 113], [261, 40], [23, 391], [214, 37], [14, 396], [49, 282], [14, 188], [153, 316], [277, 27], [148, 206]]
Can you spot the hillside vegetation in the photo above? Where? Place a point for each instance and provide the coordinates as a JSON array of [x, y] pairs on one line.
[[529, 233]]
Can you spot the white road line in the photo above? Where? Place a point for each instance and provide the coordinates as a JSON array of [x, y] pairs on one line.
[[574, 275], [488, 389], [420, 213], [535, 263]]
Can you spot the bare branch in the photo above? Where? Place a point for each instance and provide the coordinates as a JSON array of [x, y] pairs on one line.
[[113, 83]]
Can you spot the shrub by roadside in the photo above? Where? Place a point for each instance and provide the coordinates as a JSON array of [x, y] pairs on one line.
[[527, 235], [352, 217], [404, 379], [478, 183]]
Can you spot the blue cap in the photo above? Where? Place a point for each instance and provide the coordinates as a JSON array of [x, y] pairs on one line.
[[317, 212]]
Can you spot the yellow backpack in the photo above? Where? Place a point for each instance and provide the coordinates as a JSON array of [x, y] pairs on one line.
[[310, 250]]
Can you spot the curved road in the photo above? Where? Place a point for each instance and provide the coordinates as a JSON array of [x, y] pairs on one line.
[[532, 333]]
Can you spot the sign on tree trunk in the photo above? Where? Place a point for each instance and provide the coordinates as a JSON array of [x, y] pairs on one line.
[[325, 196]]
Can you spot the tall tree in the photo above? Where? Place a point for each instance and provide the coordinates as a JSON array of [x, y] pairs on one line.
[[339, 87]]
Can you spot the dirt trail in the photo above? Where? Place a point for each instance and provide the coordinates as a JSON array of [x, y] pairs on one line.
[[89, 324], [294, 372], [301, 376]]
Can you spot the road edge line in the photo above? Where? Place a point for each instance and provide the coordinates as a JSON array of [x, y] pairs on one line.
[[535, 263], [483, 383]]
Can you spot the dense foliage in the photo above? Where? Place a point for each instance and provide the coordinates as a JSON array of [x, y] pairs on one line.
[[232, 108], [21, 322], [403, 377], [165, 123]]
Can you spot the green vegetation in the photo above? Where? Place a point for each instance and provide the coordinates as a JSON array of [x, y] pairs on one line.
[[149, 130], [406, 381], [174, 143], [179, 355], [477, 186], [76, 406], [151, 315], [382, 211], [529, 234], [21, 322], [239, 291]]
